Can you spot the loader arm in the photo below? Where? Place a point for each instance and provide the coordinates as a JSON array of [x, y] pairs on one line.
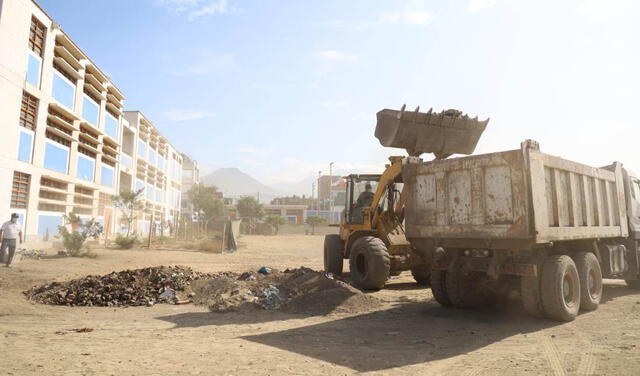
[[388, 176]]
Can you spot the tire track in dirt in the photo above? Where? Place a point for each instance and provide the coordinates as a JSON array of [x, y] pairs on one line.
[[587, 365], [553, 356]]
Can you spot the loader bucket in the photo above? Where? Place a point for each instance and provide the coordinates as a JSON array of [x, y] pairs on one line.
[[445, 133]]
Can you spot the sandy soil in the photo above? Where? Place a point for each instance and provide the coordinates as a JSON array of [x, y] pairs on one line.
[[410, 334]]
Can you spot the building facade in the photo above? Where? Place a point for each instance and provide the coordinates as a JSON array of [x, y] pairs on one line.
[[151, 164], [66, 145]]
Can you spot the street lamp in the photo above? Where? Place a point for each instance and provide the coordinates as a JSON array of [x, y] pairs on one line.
[[330, 198]]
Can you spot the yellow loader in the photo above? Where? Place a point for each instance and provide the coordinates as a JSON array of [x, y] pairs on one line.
[[371, 233]]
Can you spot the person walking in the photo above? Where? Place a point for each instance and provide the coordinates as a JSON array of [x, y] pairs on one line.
[[9, 233]]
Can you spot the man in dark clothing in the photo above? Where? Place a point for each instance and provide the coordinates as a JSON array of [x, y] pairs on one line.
[[366, 198], [364, 201]]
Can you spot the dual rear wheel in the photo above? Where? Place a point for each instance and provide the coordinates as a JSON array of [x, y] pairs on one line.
[[564, 286]]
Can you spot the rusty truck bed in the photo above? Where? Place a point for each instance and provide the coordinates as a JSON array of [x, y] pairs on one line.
[[512, 199]]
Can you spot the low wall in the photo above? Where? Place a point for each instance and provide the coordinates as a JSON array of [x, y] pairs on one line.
[[300, 230]]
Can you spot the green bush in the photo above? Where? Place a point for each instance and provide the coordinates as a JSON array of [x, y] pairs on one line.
[[73, 241], [126, 242]]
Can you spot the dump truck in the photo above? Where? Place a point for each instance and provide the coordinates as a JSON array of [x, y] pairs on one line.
[[523, 220], [372, 235]]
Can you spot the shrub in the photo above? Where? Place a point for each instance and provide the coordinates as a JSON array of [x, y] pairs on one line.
[[126, 242], [73, 241]]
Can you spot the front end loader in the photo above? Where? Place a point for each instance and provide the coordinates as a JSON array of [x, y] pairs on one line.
[[372, 234]]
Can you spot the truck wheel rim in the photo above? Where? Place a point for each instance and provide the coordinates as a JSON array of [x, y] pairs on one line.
[[567, 290], [591, 284]]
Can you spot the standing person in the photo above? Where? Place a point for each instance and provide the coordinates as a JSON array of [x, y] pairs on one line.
[[9, 233]]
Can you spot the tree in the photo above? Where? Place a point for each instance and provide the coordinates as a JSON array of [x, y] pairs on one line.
[[73, 241], [276, 221], [250, 208], [130, 203], [206, 203], [313, 221]]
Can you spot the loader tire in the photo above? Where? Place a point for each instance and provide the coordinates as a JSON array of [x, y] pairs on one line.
[[560, 288], [530, 295], [439, 287], [421, 273], [464, 291], [590, 276], [333, 259], [369, 263]]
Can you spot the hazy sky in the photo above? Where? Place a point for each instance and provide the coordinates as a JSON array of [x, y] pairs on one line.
[[281, 88]]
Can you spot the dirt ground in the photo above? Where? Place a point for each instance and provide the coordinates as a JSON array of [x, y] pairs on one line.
[[410, 334]]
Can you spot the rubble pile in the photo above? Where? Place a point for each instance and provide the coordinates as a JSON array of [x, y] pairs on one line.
[[300, 291], [117, 289]]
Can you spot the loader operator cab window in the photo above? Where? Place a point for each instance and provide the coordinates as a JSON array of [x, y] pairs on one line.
[[360, 192]]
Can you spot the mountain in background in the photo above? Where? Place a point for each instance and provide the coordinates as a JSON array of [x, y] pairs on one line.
[[234, 183]]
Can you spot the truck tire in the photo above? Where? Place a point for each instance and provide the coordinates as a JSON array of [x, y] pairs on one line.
[[560, 288], [590, 280], [421, 273], [439, 287], [464, 291], [530, 295], [333, 254], [369, 263], [633, 283]]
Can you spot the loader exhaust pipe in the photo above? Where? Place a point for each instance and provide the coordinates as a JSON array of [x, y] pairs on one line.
[[443, 134]]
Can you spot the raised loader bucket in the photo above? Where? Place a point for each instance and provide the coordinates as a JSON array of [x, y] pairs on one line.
[[445, 133]]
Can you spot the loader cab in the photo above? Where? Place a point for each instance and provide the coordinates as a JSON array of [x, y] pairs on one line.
[[354, 213]]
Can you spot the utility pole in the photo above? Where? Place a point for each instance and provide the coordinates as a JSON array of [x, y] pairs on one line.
[[330, 198]]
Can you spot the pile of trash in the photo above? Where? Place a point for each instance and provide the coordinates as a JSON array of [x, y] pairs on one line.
[[140, 287], [24, 253], [300, 291]]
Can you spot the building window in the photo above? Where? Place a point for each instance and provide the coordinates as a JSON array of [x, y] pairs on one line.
[[160, 163], [86, 167], [36, 36], [28, 111], [106, 176], [142, 149], [48, 224], [63, 89], [20, 190], [56, 154], [90, 110], [25, 144], [150, 192], [152, 157], [34, 64], [111, 126], [139, 185]]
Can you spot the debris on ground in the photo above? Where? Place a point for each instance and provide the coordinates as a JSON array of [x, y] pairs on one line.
[[140, 287], [24, 253], [302, 291], [77, 330], [265, 270]]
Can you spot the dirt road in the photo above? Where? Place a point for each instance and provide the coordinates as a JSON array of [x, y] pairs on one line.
[[410, 334]]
